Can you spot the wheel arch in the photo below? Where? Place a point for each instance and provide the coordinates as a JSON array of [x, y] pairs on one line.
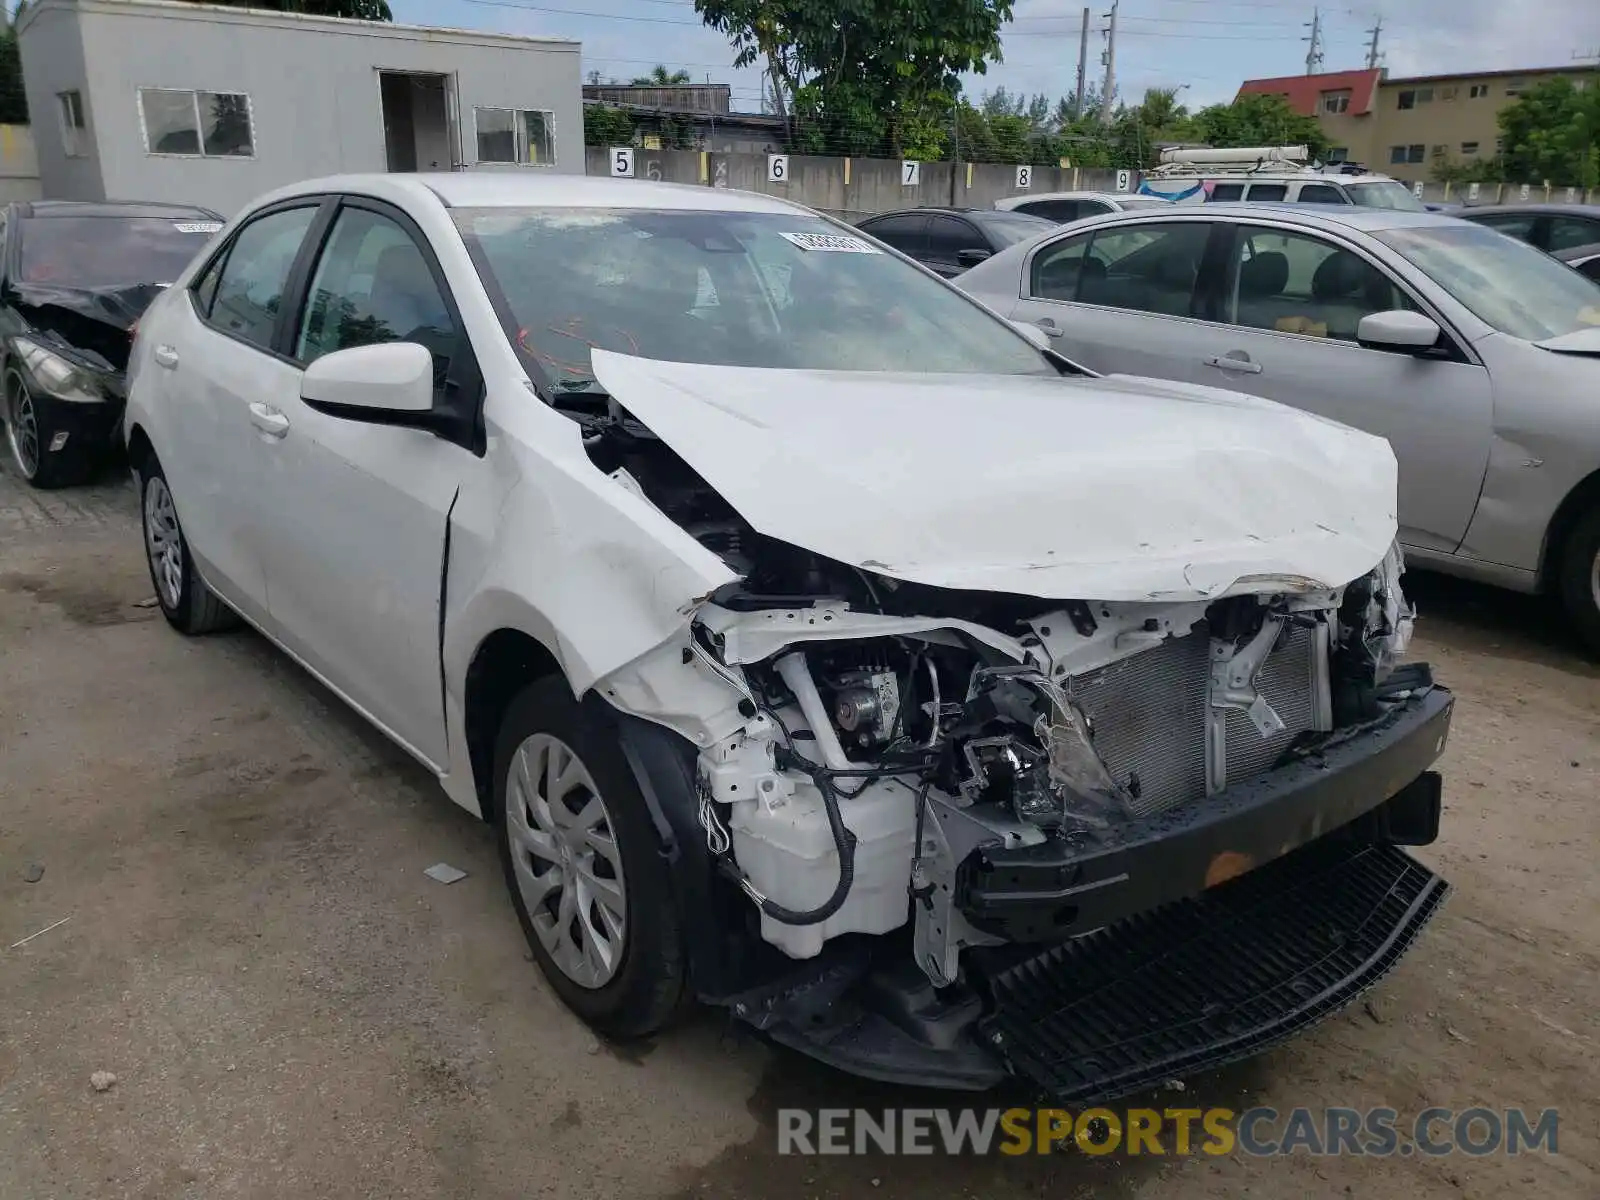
[[140, 448], [504, 662], [1580, 500]]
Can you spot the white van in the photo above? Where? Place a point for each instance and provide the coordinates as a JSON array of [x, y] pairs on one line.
[[1272, 173]]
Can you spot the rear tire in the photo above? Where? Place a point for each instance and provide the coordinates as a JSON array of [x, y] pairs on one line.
[[187, 603], [1580, 579], [584, 866]]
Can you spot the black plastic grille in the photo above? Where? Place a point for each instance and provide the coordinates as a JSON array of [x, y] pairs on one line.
[[1206, 981]]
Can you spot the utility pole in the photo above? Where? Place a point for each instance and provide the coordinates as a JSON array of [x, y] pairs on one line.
[[1314, 54], [1083, 65], [1372, 46], [1109, 88]]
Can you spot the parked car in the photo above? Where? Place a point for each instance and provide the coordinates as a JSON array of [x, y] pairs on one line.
[[949, 240], [1475, 356], [1551, 227], [762, 590], [1062, 207], [74, 278], [1270, 174], [1585, 259]]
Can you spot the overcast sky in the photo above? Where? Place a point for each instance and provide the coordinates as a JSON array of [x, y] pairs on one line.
[[1208, 45]]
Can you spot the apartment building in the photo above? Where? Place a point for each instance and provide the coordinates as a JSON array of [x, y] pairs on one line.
[[1401, 126]]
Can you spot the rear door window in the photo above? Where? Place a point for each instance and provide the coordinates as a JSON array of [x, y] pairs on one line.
[[1320, 193], [1148, 268], [906, 232], [1267, 191], [249, 294], [1227, 191]]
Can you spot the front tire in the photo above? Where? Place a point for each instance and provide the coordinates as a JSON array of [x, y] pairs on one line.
[[584, 867], [30, 432], [1580, 579], [187, 603]]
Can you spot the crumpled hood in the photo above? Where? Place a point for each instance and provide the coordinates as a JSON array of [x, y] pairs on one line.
[[1117, 488], [96, 320]]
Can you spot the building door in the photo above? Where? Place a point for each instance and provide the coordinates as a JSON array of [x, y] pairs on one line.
[[420, 130]]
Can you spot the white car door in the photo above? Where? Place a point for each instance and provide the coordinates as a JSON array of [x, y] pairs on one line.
[[356, 552], [211, 361], [1291, 301], [1121, 298]]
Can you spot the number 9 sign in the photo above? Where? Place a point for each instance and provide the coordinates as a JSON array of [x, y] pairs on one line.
[[622, 162]]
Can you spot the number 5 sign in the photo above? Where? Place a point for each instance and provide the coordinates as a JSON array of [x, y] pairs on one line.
[[1024, 177], [910, 173], [622, 162], [777, 168]]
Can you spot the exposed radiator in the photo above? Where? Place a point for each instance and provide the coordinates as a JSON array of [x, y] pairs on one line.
[[1149, 717], [1287, 680], [1149, 711]]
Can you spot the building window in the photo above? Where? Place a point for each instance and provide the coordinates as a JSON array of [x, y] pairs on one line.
[[1335, 102], [73, 131], [1478, 91], [1468, 149], [1416, 153], [512, 135], [1516, 87], [1449, 93], [1339, 154], [1412, 97], [195, 124], [1397, 154]]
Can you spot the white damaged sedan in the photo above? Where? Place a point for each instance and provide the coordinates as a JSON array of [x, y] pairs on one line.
[[819, 646]]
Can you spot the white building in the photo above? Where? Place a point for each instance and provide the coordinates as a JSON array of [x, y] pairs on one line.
[[200, 104]]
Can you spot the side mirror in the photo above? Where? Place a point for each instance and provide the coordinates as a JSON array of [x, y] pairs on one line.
[[973, 256], [391, 379], [1033, 333], [1398, 329]]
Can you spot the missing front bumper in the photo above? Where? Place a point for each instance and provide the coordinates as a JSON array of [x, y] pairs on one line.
[[1212, 979]]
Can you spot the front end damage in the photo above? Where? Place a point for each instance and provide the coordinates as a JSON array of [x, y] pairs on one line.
[[1009, 837], [942, 833]]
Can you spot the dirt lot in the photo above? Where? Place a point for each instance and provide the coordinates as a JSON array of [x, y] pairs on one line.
[[292, 1008]]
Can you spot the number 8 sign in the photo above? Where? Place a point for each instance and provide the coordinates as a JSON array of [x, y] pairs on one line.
[[1024, 177], [622, 162]]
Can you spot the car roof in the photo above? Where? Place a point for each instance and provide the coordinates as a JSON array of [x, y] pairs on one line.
[[1583, 210], [111, 208], [1081, 195], [1320, 216], [536, 189]]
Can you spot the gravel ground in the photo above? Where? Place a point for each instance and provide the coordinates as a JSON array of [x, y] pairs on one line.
[[291, 1008]]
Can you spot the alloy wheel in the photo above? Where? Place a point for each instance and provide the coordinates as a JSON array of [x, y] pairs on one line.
[[163, 541], [567, 866], [22, 427]]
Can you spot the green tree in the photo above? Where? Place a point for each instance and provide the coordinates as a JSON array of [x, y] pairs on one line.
[[1256, 119], [606, 125], [1552, 132], [363, 10], [661, 77], [864, 76]]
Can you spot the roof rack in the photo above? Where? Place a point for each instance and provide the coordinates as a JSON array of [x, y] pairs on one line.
[[1242, 160]]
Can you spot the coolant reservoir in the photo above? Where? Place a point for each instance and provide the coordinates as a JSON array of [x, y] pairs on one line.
[[788, 854]]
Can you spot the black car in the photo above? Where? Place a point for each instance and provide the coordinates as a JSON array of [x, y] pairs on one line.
[[949, 240], [1551, 227], [1583, 258], [74, 278]]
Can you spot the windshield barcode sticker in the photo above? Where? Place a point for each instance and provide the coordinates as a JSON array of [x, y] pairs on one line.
[[837, 243], [197, 226]]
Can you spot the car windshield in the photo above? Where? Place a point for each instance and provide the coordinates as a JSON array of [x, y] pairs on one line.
[[1008, 228], [1387, 194], [1506, 283], [108, 252], [738, 289]]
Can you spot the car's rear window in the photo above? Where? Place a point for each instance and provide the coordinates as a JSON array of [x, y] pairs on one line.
[[110, 252]]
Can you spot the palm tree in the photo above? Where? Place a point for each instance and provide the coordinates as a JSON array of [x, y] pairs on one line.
[[661, 77]]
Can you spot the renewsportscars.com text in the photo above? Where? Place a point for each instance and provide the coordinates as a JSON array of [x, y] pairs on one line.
[[1257, 1132]]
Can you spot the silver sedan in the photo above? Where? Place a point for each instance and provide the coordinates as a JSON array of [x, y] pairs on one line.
[[1477, 356]]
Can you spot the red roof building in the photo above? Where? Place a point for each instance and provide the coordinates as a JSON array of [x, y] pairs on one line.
[[1305, 93]]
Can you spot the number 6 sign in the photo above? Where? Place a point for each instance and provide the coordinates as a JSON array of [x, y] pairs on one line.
[[777, 168], [622, 162]]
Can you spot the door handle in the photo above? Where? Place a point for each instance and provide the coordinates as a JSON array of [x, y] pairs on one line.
[[268, 420], [1048, 324], [166, 356], [1235, 360]]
